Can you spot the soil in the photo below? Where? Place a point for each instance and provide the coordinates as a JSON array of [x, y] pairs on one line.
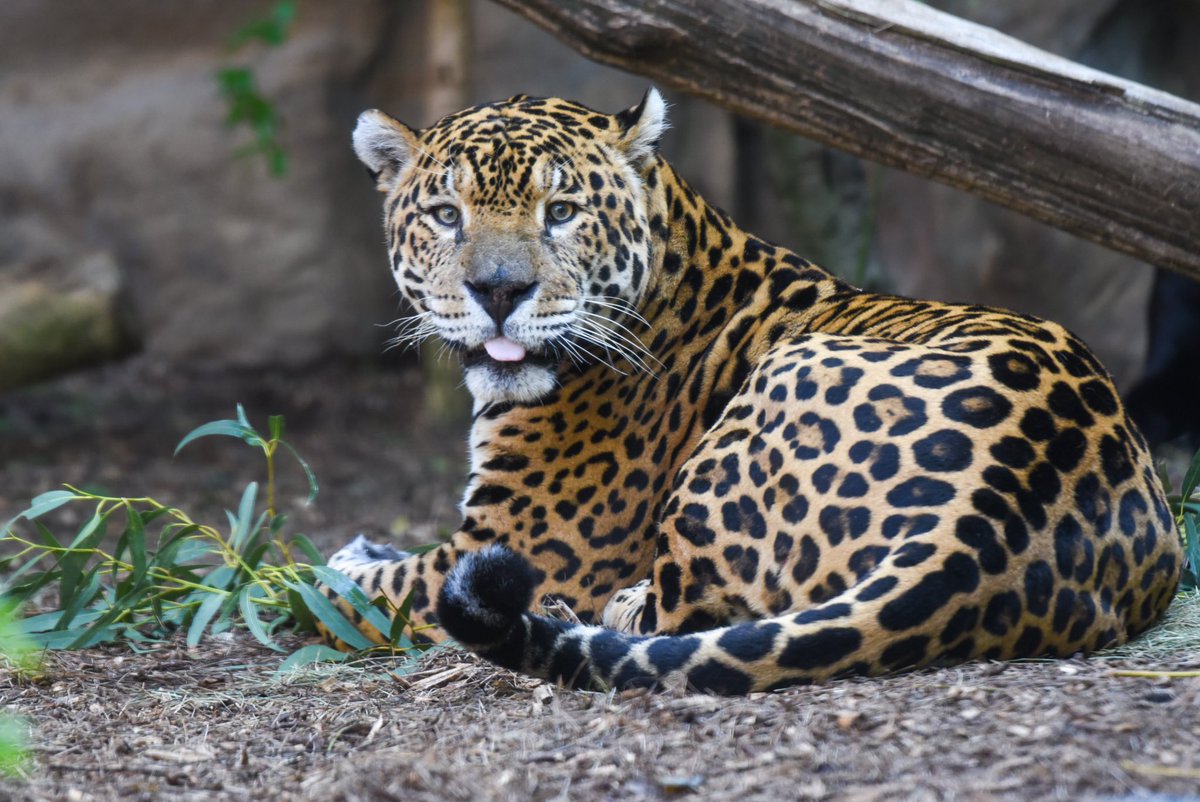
[[215, 723]]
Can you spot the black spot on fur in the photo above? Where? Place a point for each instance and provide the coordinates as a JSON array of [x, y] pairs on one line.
[[1016, 370], [976, 532], [1098, 397], [959, 574], [1066, 450], [1039, 587], [713, 677], [821, 649], [1003, 611], [964, 620], [671, 654], [1065, 403], [913, 553], [807, 561], [907, 652], [920, 491], [1114, 458], [1014, 452], [943, 451], [981, 407], [750, 641], [1038, 425], [879, 587]]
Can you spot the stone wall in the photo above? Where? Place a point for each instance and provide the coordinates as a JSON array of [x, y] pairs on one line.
[[116, 153]]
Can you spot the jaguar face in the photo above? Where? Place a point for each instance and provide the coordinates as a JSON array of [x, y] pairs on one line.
[[519, 234]]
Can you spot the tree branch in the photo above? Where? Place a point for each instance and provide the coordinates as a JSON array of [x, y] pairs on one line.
[[904, 85]]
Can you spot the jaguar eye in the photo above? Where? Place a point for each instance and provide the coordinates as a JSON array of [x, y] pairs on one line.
[[560, 211], [447, 215]]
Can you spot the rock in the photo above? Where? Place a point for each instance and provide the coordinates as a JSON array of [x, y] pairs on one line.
[[57, 316], [115, 141]]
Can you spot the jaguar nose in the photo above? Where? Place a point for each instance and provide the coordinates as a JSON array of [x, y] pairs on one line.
[[500, 298]]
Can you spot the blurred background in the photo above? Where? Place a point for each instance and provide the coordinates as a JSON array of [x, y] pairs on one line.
[[183, 226]]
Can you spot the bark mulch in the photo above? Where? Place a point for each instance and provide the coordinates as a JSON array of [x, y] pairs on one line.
[[216, 723]]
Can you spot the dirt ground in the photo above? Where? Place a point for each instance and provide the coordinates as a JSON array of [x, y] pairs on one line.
[[215, 724]]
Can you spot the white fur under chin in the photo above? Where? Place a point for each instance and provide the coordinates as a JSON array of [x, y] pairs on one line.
[[526, 384]]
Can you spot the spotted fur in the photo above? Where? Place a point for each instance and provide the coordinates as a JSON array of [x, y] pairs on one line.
[[738, 471]]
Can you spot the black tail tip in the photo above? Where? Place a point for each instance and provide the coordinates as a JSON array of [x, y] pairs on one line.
[[485, 594]]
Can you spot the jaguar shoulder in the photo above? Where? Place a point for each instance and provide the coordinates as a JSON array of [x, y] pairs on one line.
[[737, 470]]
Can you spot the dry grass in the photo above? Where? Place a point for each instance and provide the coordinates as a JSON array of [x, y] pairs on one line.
[[217, 725], [214, 724]]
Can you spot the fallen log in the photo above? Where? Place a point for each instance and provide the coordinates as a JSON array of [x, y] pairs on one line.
[[910, 87]]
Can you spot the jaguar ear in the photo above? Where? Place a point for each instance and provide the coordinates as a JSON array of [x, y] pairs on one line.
[[643, 126], [384, 145]]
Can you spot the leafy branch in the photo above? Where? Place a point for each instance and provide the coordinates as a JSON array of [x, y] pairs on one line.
[[1185, 507], [247, 106], [194, 577]]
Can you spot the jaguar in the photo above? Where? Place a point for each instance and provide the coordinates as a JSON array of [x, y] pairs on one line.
[[736, 471]]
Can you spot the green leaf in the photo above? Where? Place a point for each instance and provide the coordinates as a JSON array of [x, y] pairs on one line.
[[353, 593], [181, 550], [276, 160], [308, 473], [220, 577], [23, 591], [250, 615], [13, 752], [255, 540], [105, 627], [44, 503], [133, 540], [1192, 547], [300, 612], [40, 580], [72, 562], [59, 639], [86, 595], [137, 545], [1191, 479], [149, 516], [235, 80], [241, 524], [325, 611], [46, 622], [313, 653], [204, 614], [310, 551], [221, 428], [401, 620], [275, 426], [396, 634], [271, 30]]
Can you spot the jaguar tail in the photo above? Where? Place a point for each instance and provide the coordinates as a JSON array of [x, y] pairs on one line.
[[484, 606]]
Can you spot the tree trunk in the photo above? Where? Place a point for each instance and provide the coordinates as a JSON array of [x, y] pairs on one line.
[[899, 83]]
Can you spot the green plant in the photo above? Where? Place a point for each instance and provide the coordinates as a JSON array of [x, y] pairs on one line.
[[192, 577], [1185, 507], [247, 106], [16, 653]]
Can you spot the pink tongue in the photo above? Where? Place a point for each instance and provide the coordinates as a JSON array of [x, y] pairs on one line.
[[503, 349]]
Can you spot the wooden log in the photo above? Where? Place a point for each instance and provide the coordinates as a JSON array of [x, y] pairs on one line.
[[902, 84]]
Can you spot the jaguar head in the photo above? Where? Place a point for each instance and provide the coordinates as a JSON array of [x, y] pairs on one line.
[[519, 233]]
